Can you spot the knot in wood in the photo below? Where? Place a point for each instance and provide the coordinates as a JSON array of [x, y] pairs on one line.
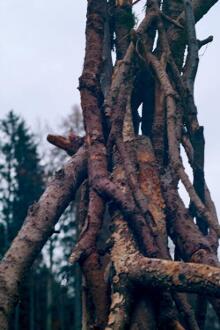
[[96, 22], [90, 82], [60, 174], [33, 208]]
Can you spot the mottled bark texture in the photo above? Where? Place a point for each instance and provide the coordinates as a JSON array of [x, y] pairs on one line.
[[37, 228], [137, 113]]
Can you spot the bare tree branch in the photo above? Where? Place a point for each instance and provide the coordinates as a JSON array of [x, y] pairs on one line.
[[37, 228]]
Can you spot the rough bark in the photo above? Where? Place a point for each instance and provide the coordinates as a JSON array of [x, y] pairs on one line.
[[37, 228], [130, 280]]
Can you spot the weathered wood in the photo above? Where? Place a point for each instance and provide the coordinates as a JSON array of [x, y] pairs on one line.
[[37, 228], [134, 179]]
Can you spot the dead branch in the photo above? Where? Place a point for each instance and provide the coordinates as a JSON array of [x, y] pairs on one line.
[[162, 273], [37, 227], [173, 143], [171, 20], [205, 41], [70, 144], [192, 60], [87, 240]]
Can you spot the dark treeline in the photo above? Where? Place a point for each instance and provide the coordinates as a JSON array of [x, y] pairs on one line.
[[46, 301]]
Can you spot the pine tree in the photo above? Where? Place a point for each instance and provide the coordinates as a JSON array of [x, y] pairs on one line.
[[22, 181], [21, 174]]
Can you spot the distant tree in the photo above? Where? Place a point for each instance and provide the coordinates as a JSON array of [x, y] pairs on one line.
[[22, 182], [21, 175]]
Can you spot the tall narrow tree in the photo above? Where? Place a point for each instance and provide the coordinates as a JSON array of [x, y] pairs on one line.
[[22, 183], [21, 173]]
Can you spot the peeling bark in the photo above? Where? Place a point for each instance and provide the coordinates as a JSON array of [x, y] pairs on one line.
[[132, 204]]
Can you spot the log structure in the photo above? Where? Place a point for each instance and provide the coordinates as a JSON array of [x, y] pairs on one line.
[[138, 112]]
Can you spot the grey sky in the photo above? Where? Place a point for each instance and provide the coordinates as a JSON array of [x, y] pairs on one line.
[[41, 56]]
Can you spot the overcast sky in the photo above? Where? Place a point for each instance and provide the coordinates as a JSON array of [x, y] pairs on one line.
[[41, 56]]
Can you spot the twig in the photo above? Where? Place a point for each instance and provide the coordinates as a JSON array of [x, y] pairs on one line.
[[205, 41], [135, 2], [171, 20], [70, 144]]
